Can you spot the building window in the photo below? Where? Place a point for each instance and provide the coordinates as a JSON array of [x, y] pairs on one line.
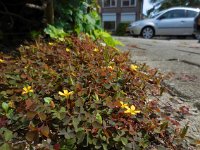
[[128, 17], [128, 3], [109, 25], [109, 3], [109, 21]]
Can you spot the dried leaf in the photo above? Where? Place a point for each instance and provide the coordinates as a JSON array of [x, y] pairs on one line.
[[42, 116], [29, 103], [45, 131], [31, 114], [31, 135]]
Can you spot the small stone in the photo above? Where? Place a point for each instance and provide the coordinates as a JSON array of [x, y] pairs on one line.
[[197, 105]]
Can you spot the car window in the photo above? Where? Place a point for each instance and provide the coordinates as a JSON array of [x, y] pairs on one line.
[[173, 14], [191, 14], [155, 15]]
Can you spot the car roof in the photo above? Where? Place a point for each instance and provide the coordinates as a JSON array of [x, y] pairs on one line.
[[175, 8], [186, 8]]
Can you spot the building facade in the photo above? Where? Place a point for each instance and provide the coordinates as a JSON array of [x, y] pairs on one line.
[[114, 12]]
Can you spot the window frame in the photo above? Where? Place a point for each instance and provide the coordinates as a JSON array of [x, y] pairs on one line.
[[111, 29], [134, 5], [111, 6], [128, 13], [187, 13], [113, 19], [161, 16]]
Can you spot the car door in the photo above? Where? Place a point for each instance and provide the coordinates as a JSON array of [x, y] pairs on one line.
[[189, 22], [171, 22]]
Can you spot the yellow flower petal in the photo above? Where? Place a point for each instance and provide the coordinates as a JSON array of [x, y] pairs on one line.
[[72, 92], [11, 104], [65, 93], [2, 61], [131, 110], [96, 50], [31, 91], [127, 111], [110, 67], [133, 67], [27, 89], [123, 105], [137, 111], [61, 93], [133, 107], [67, 50], [50, 43]]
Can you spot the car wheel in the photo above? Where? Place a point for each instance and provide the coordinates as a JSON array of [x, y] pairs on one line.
[[147, 32]]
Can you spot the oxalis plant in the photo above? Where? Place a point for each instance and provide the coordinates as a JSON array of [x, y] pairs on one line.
[[78, 94]]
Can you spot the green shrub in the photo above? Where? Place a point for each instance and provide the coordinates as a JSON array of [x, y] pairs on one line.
[[121, 29], [78, 94], [79, 17]]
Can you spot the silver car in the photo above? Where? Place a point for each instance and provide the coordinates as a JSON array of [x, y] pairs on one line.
[[177, 21]]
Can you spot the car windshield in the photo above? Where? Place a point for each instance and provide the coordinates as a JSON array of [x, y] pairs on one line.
[[155, 15]]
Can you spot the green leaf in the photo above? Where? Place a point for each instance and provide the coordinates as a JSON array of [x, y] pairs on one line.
[[55, 33], [80, 136], [124, 140], [96, 97], [5, 106], [164, 125], [47, 100], [5, 146], [99, 118], [75, 122], [8, 135], [71, 81], [70, 144], [184, 131], [105, 146], [117, 138]]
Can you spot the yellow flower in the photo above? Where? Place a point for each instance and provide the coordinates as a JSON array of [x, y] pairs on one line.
[[96, 50], [51, 44], [67, 50], [65, 93], [27, 89], [2, 61], [11, 104], [133, 67], [123, 105], [110, 67], [131, 110]]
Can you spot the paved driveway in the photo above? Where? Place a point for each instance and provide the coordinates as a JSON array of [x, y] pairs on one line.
[[181, 58]]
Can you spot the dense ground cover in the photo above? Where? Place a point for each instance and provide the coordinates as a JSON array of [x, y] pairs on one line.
[[80, 94]]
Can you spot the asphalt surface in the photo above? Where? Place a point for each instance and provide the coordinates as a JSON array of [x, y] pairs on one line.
[[181, 59]]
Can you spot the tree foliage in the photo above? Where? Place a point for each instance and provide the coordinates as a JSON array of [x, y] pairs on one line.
[[164, 4]]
